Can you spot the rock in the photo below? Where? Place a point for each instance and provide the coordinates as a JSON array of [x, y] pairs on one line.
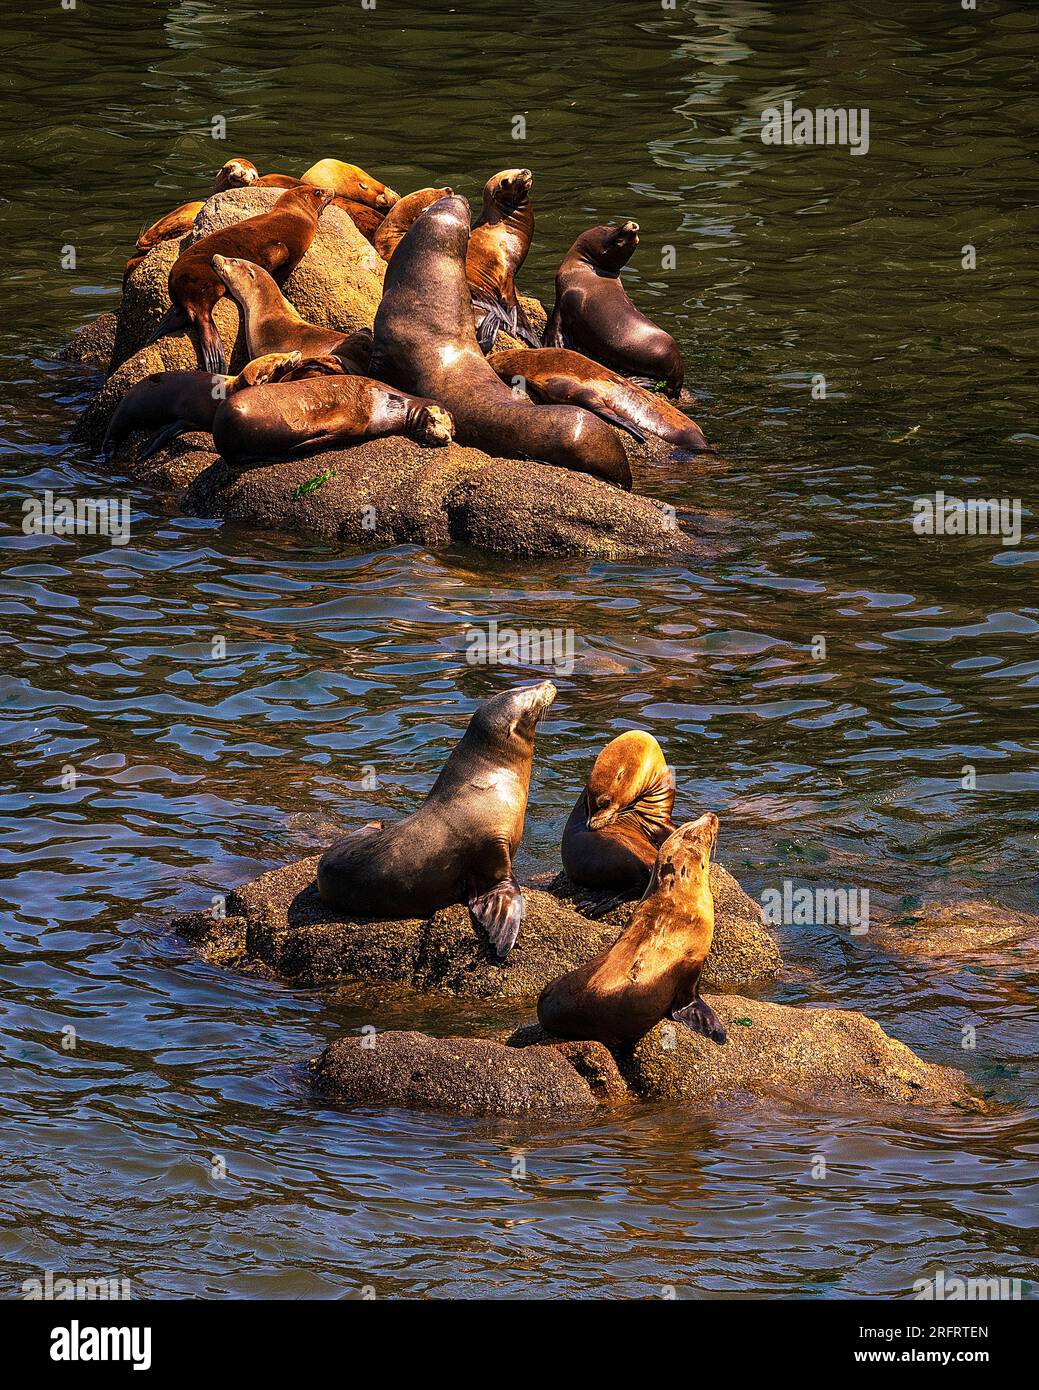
[[93, 343], [465, 1076], [393, 491], [825, 1058], [983, 932], [287, 930], [338, 283]]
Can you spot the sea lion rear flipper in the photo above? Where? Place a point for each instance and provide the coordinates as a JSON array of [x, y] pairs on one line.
[[701, 1018], [500, 911], [495, 320]]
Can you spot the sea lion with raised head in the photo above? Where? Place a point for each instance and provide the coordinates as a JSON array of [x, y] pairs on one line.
[[401, 217], [271, 324], [276, 240], [425, 342], [622, 817], [350, 181], [459, 845], [566, 377], [175, 402], [319, 412], [234, 173], [365, 218], [652, 971], [593, 314], [498, 246]]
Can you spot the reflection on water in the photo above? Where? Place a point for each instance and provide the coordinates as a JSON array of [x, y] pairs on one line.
[[193, 772]]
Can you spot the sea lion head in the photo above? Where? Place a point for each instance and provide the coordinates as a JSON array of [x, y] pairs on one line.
[[235, 271], [508, 721], [308, 197], [271, 366], [433, 425], [630, 774], [607, 249], [509, 189], [682, 870], [444, 225], [235, 173]]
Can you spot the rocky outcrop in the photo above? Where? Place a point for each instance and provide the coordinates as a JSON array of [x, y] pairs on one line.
[[279, 923], [93, 343], [467, 1076]]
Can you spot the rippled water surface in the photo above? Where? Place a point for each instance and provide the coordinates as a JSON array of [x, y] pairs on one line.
[[195, 773]]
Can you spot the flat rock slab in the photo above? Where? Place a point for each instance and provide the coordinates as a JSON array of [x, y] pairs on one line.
[[278, 923], [466, 1076]]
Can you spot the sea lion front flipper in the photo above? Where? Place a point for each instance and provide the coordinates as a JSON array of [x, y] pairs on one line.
[[589, 399], [500, 911], [701, 1018], [163, 437]]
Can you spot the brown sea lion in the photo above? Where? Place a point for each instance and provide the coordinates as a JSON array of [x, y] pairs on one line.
[[652, 971], [182, 401], [593, 314], [458, 846], [557, 374], [622, 817], [366, 219], [402, 215], [498, 246], [276, 240], [425, 342], [318, 413], [235, 173], [271, 324], [349, 181]]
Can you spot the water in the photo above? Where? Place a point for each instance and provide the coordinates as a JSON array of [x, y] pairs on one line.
[[195, 774]]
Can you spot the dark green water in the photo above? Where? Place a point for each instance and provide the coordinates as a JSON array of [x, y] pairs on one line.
[[195, 775]]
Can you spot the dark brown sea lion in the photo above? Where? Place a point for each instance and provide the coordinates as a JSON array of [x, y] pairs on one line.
[[498, 246], [235, 173], [425, 342], [557, 374], [349, 181], [276, 240], [652, 971], [593, 314], [271, 324], [622, 817], [321, 412], [401, 217], [182, 401], [458, 846]]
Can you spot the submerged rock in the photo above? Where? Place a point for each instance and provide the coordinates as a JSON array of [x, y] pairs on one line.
[[983, 932], [278, 921], [466, 1076]]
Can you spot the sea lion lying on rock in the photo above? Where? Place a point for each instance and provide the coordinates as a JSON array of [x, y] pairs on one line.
[[653, 971], [425, 342], [557, 374], [593, 314], [458, 846]]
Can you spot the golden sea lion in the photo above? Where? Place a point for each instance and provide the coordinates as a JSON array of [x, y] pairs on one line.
[[401, 216], [652, 971], [349, 181]]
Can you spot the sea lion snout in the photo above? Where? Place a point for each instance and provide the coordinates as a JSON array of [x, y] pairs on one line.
[[697, 836]]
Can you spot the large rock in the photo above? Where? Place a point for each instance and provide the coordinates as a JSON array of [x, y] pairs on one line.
[[467, 1076], [826, 1058], [391, 491], [980, 932], [337, 284], [279, 923]]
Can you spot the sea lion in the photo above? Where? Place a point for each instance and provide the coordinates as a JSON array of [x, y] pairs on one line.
[[321, 412], [276, 240], [401, 216], [182, 401], [593, 314], [349, 181], [622, 817], [557, 374], [235, 173], [498, 246], [652, 971], [366, 219], [458, 846], [425, 342], [271, 324]]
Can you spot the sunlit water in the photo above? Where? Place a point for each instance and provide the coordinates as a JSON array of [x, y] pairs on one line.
[[195, 773]]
